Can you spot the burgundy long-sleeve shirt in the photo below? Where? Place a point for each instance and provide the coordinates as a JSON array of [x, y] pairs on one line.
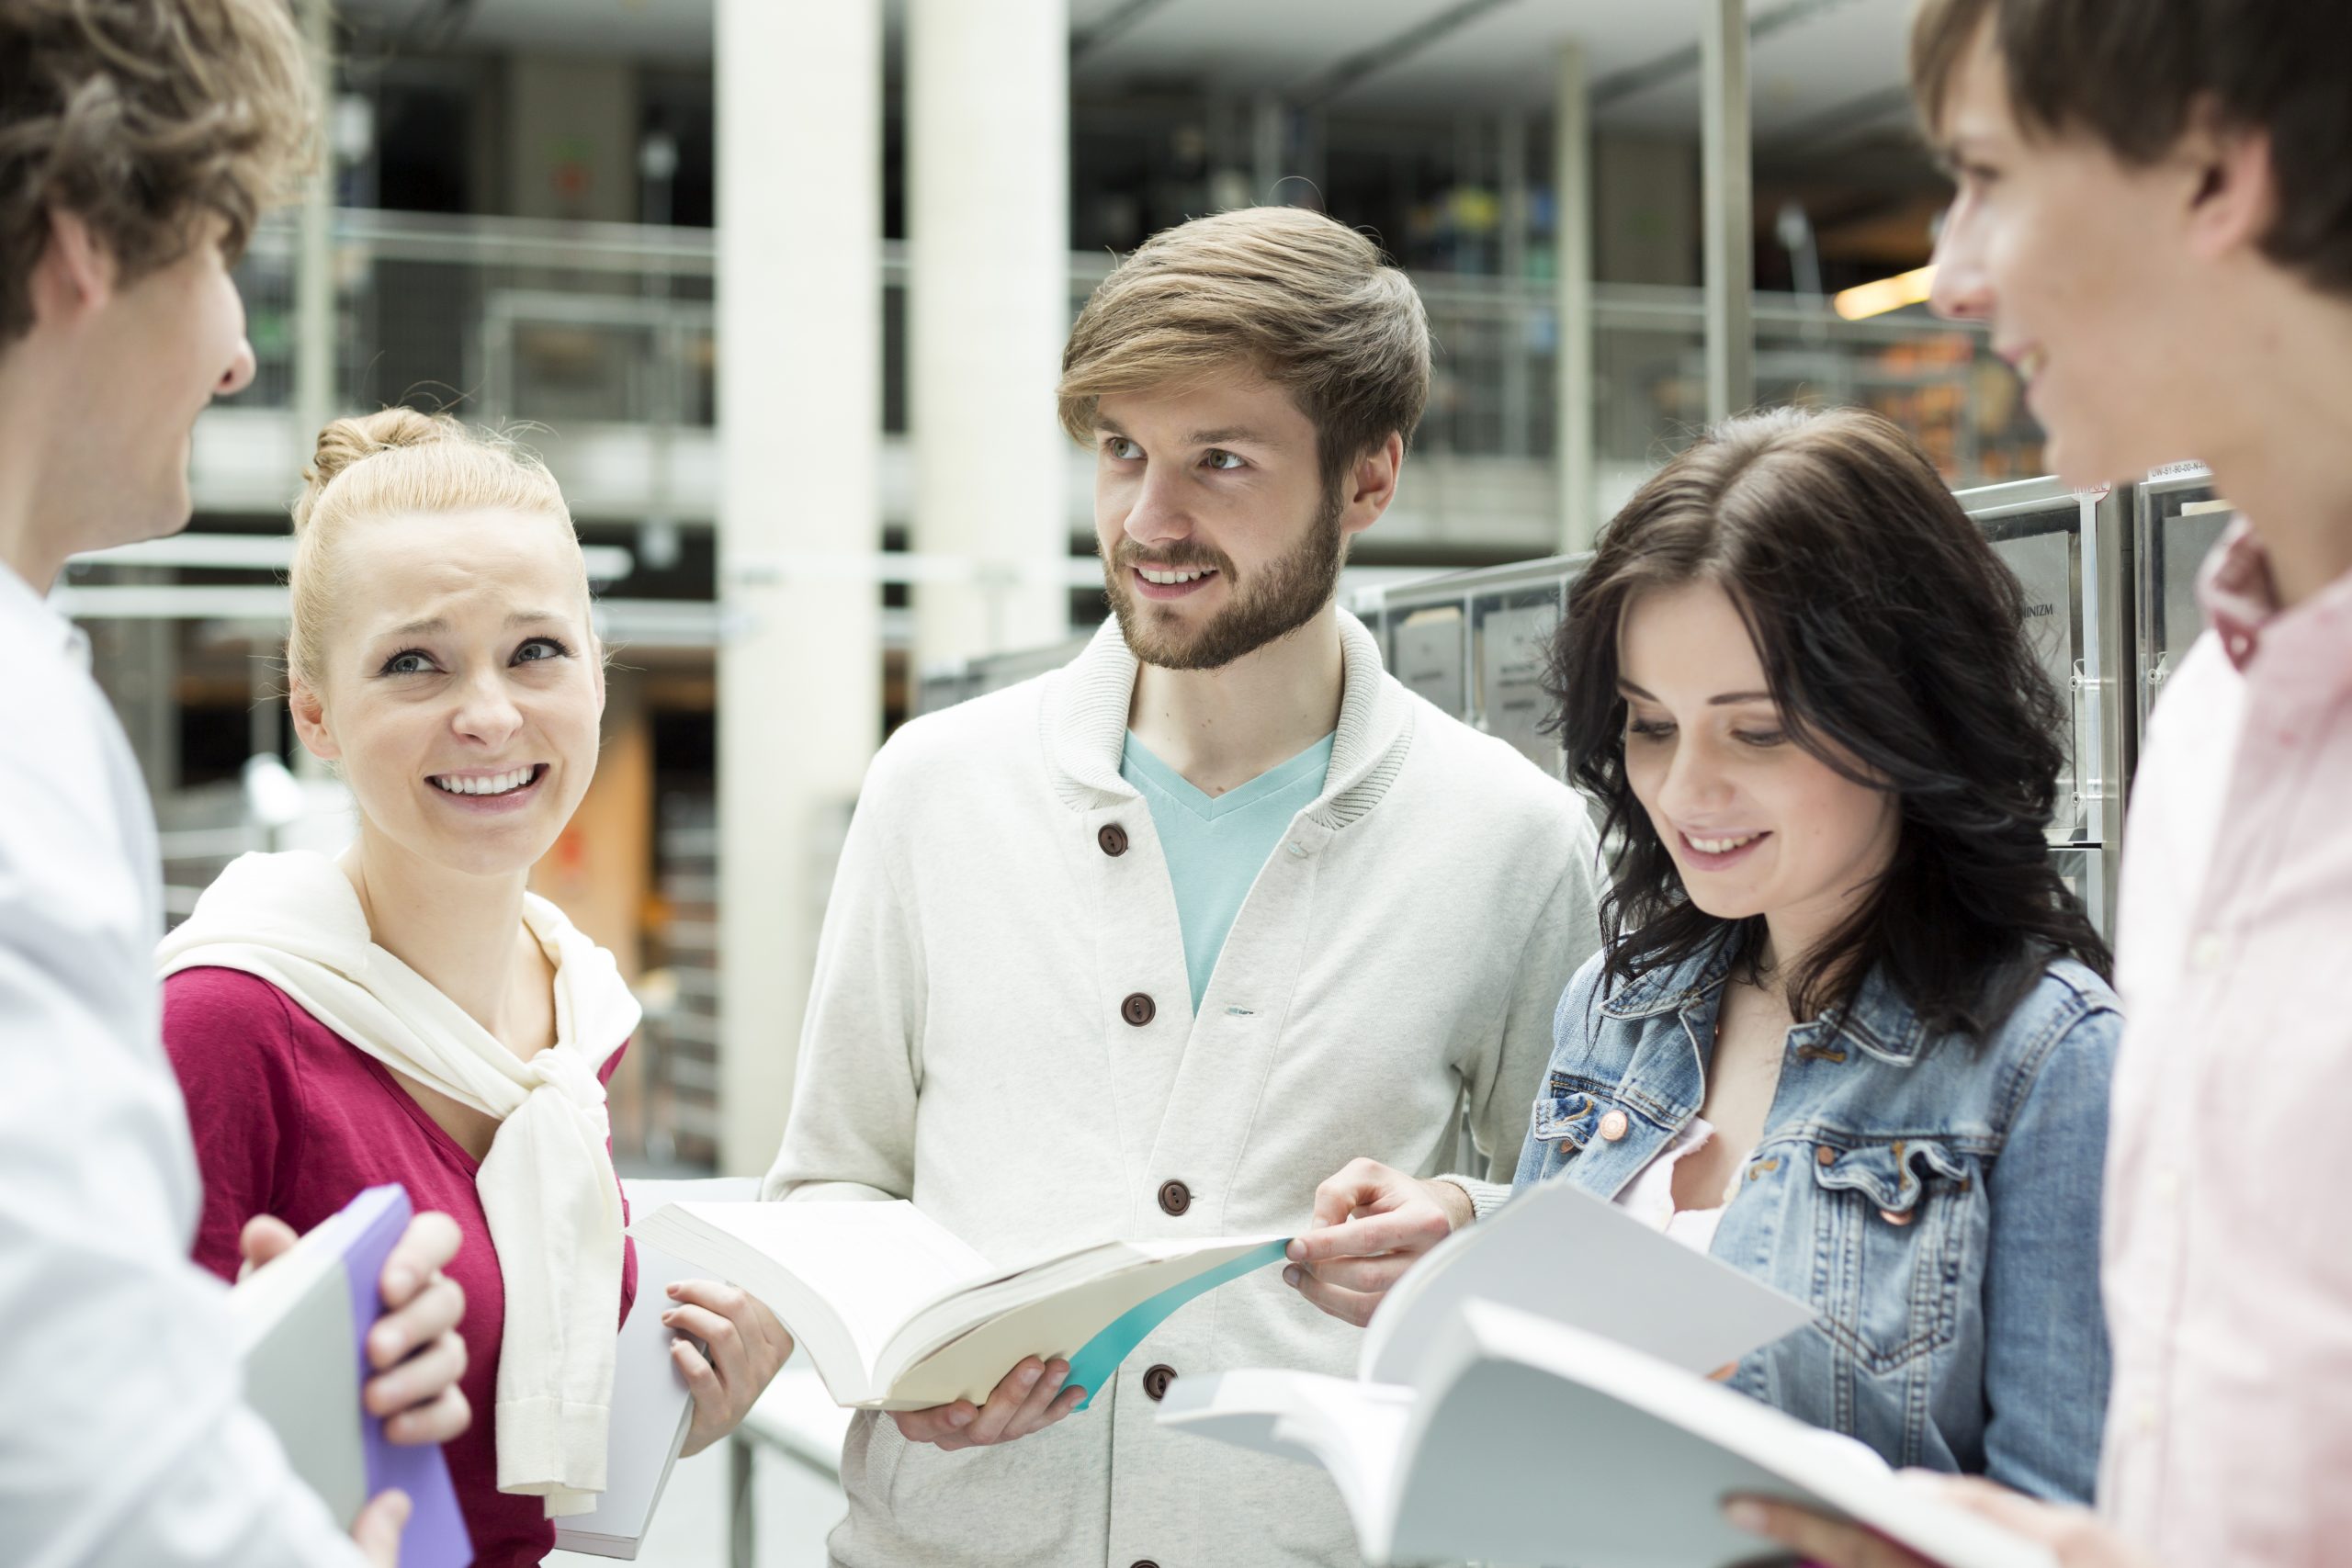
[[292, 1120]]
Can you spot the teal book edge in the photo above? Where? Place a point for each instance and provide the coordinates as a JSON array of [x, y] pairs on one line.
[[1100, 1356]]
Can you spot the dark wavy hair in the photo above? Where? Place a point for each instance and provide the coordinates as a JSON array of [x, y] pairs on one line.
[[1893, 643]]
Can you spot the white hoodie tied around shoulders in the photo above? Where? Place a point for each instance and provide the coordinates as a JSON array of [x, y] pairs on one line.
[[546, 1185]]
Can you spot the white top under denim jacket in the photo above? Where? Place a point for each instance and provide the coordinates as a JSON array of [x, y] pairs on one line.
[[1934, 1197]]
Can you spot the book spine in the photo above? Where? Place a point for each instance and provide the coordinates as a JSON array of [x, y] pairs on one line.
[[435, 1537]]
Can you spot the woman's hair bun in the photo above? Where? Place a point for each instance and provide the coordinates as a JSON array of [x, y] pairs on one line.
[[346, 442]]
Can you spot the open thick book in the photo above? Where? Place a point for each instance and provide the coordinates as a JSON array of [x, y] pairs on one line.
[[302, 1323], [1560, 1252], [1523, 1440], [898, 1313]]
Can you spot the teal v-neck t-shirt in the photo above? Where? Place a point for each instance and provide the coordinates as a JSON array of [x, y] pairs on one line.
[[1214, 845]]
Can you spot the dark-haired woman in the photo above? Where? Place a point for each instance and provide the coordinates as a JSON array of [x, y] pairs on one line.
[[1848, 1032]]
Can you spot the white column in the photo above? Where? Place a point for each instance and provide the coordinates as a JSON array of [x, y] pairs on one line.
[[1268, 152], [1729, 199], [316, 400], [799, 105], [989, 308], [315, 394], [1572, 228], [1510, 183]]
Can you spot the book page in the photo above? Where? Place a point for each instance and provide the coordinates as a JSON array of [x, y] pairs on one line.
[[963, 1347], [871, 1264], [1533, 1440], [1562, 1253], [1356, 1430]]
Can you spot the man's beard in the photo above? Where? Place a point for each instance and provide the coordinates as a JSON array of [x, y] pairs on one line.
[[1286, 595]]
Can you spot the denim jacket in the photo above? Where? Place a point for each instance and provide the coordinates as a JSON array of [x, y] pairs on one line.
[[1935, 1198]]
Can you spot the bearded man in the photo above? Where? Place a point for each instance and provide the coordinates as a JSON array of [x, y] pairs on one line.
[[1139, 947]]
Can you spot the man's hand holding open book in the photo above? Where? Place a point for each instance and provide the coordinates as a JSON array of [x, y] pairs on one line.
[[1371, 1225], [2075, 1536], [1030, 1399]]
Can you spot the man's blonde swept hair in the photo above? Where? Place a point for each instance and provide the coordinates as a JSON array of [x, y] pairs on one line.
[[1298, 297]]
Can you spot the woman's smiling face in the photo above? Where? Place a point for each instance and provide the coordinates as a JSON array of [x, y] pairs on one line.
[[1757, 824], [462, 689]]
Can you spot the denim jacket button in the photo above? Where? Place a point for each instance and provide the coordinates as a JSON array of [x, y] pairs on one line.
[[1612, 1125], [1896, 1216], [1825, 1154]]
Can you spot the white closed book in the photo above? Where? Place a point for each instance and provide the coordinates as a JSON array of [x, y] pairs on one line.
[[1523, 1440], [897, 1314], [651, 1407]]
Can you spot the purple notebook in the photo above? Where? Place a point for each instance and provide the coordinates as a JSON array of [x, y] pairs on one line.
[[436, 1536]]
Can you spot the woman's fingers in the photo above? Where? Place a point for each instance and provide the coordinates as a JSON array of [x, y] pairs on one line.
[[723, 1345], [702, 1380]]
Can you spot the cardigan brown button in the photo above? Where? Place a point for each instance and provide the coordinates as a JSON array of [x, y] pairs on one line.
[[1174, 1197], [1112, 838], [1156, 1381], [1138, 1010]]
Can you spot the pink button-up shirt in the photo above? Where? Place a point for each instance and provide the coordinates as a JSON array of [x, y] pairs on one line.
[[2228, 1246]]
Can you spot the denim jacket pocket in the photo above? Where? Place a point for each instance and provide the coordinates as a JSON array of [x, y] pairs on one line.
[[1567, 1118], [1896, 1219]]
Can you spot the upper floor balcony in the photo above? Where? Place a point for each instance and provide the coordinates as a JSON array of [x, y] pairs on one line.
[[605, 338]]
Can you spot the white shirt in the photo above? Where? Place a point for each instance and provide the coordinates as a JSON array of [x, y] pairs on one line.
[[1002, 1029], [123, 1436], [1649, 1196]]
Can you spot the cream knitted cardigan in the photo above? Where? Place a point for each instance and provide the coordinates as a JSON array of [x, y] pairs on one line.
[[969, 1046]]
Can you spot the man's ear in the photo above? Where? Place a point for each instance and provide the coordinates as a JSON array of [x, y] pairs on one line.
[[75, 273], [1372, 484], [2235, 200], [310, 720]]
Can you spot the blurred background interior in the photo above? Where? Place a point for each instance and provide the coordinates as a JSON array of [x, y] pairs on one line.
[[778, 287]]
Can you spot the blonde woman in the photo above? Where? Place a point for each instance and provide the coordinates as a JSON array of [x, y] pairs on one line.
[[410, 1012]]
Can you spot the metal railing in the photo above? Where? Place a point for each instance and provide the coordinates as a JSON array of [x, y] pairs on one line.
[[576, 324]]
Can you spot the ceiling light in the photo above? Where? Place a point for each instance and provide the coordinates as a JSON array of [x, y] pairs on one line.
[[1886, 294]]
